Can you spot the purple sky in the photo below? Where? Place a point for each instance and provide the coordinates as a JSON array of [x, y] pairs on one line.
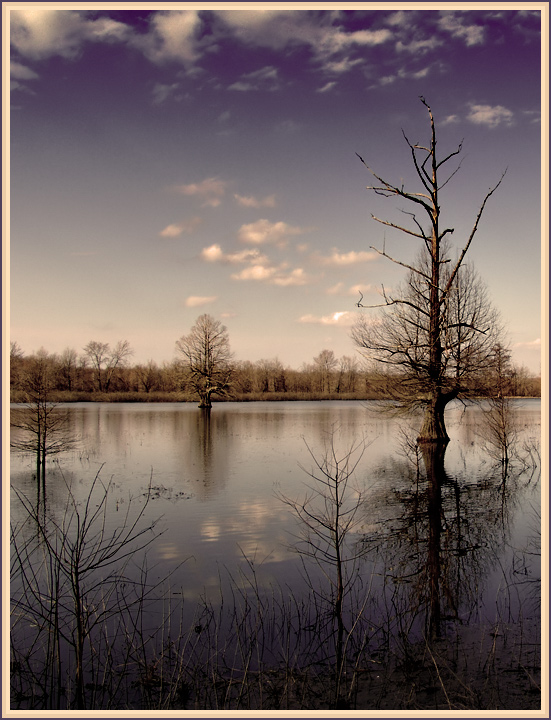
[[165, 164]]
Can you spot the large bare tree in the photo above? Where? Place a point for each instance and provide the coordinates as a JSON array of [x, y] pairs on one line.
[[438, 330], [207, 358]]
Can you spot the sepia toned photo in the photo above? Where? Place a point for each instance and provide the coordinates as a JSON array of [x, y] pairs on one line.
[[275, 298]]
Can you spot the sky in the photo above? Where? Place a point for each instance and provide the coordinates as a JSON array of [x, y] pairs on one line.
[[167, 163]]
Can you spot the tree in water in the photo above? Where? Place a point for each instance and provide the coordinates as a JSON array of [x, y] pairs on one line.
[[438, 331], [41, 427], [207, 358]]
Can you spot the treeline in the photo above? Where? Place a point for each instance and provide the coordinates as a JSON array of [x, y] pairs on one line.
[[104, 373]]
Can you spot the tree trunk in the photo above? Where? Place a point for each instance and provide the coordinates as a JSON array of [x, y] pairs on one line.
[[433, 457], [434, 428], [205, 401]]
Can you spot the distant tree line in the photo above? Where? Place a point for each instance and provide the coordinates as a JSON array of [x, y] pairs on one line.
[[102, 372]]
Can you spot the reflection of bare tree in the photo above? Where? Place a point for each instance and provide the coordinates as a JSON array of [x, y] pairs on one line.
[[205, 454], [440, 542]]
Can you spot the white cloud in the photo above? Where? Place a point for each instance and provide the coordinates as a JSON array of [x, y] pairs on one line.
[[453, 24], [188, 227], [210, 190], [268, 201], [21, 72], [489, 115], [214, 253], [295, 277], [197, 300], [262, 271], [279, 29], [264, 232], [450, 120], [163, 92], [354, 290], [264, 79], [39, 33], [357, 289], [529, 344], [419, 47], [336, 289], [349, 258], [338, 67], [171, 231], [328, 86], [255, 272], [173, 35], [338, 318]]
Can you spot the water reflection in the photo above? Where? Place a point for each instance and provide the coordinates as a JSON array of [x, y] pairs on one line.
[[443, 543], [447, 536]]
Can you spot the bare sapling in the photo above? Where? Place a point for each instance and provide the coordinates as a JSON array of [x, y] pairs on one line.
[[330, 514], [73, 580]]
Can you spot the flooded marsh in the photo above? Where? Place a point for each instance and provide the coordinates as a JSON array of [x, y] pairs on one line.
[[244, 580]]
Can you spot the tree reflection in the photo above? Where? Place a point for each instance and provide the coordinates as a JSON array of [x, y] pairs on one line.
[[440, 541]]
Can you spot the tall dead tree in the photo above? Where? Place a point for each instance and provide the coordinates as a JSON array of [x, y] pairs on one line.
[[429, 343]]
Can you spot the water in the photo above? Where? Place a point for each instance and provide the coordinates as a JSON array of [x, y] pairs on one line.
[[455, 548]]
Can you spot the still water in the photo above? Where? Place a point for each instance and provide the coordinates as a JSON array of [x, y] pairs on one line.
[[216, 482], [216, 479]]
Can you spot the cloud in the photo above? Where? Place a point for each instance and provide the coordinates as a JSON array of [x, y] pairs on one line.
[[529, 344], [210, 190], [328, 86], [268, 201], [263, 232], [339, 67], [259, 268], [173, 35], [274, 275], [338, 318], [342, 259], [188, 227], [419, 47], [354, 290], [39, 33], [281, 29], [197, 300], [452, 23], [489, 115], [264, 79], [255, 272], [295, 277], [163, 92], [21, 72], [214, 253]]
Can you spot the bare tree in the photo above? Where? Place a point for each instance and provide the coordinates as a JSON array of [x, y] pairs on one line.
[[348, 373], [148, 375], [207, 358], [16, 362], [500, 430], [68, 367], [427, 326], [106, 360], [324, 364], [41, 428], [330, 517]]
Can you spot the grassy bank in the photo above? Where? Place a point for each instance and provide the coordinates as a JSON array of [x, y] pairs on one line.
[[65, 396]]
